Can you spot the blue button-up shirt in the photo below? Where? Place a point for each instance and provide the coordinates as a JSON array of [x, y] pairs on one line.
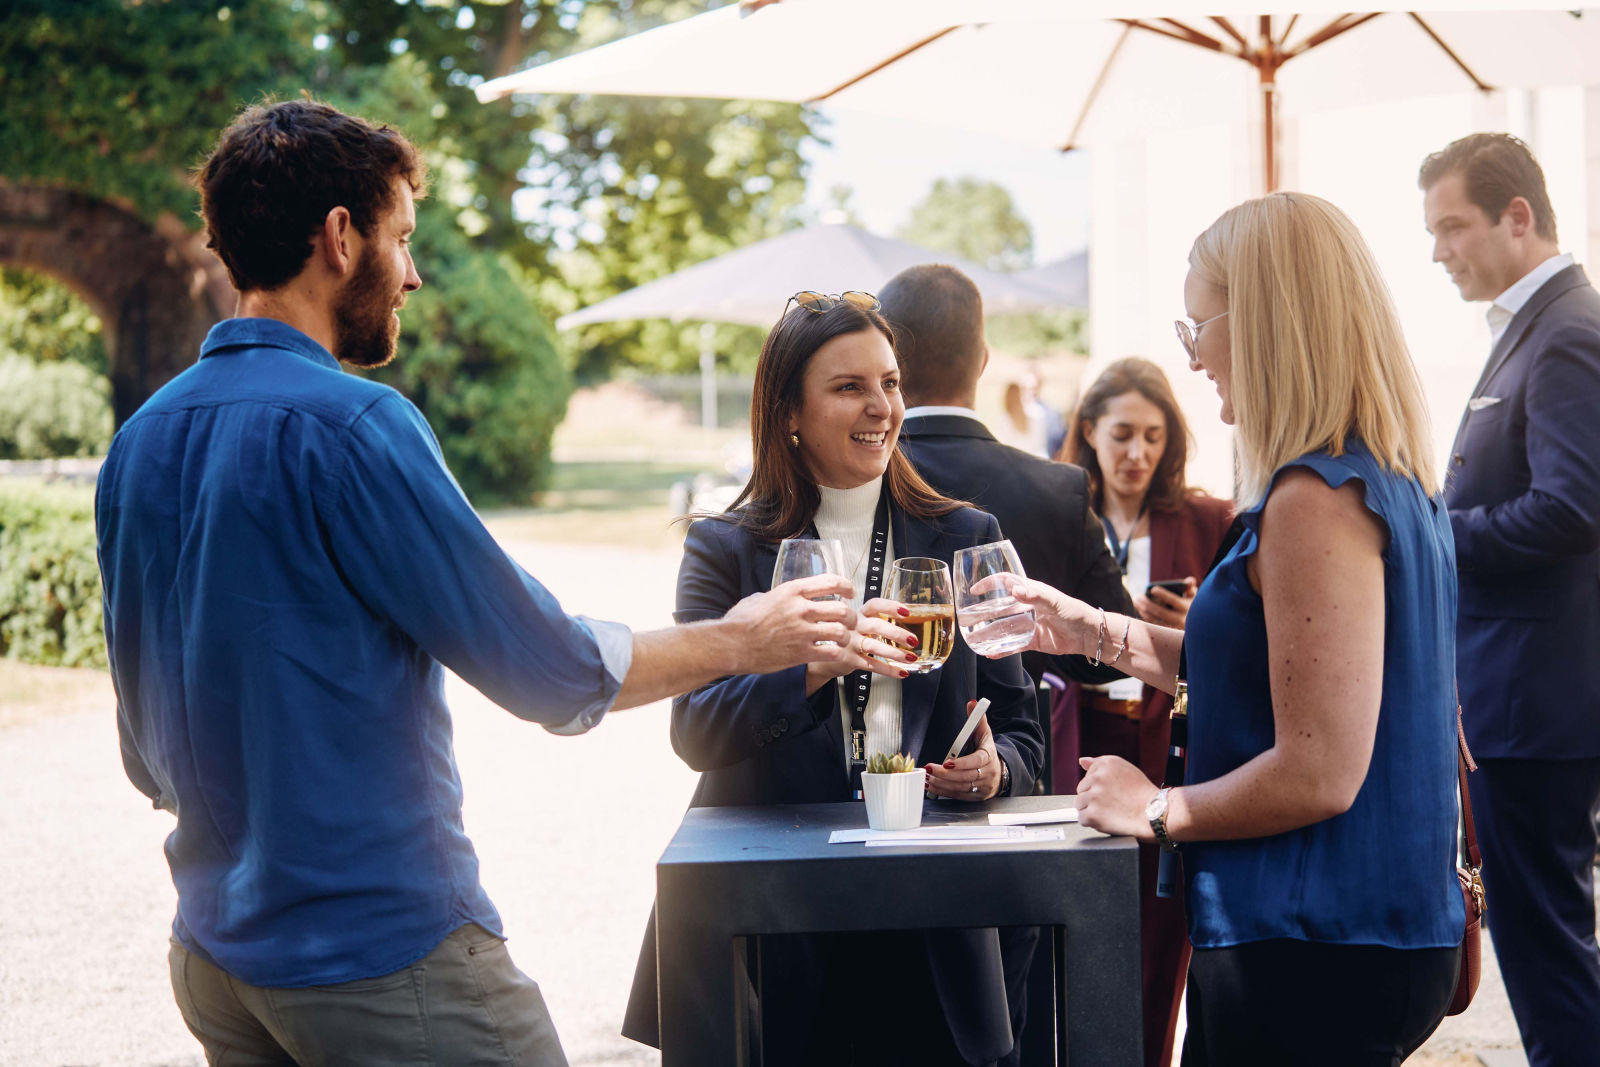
[[287, 563]]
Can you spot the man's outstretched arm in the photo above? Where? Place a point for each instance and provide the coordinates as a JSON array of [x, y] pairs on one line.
[[762, 633]]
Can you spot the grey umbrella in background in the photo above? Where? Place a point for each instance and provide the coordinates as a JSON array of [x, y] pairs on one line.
[[1068, 278], [750, 285]]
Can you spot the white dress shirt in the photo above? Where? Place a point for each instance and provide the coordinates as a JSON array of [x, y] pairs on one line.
[[1508, 303]]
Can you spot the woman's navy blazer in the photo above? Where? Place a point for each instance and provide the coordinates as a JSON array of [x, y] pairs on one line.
[[758, 739]]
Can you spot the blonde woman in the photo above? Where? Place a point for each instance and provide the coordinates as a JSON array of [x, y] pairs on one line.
[[1317, 819]]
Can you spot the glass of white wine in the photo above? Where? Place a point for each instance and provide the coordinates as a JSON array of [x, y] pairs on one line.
[[923, 586], [992, 623]]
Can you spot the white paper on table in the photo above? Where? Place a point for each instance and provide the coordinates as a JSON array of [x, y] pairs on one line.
[[1033, 818], [1017, 834], [944, 835]]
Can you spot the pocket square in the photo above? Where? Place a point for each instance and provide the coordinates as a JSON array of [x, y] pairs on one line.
[[1478, 403]]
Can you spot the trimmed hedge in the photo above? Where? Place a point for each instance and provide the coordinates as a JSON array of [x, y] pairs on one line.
[[49, 577]]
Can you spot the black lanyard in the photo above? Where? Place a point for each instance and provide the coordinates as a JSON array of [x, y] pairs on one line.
[[857, 685]]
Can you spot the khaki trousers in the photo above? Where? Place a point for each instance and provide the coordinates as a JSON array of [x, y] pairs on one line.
[[465, 1003]]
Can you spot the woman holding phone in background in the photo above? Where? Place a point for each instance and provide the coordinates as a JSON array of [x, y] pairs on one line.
[[1131, 438]]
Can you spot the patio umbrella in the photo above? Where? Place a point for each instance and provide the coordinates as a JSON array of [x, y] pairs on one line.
[[749, 285], [1068, 278], [1062, 74]]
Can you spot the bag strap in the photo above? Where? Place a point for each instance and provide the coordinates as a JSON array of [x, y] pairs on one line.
[[1463, 765], [1469, 833]]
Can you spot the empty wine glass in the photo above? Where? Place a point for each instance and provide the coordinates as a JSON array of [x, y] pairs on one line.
[[807, 557], [923, 586], [992, 623]]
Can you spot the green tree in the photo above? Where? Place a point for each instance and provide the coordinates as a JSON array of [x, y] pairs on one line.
[[589, 196], [974, 219]]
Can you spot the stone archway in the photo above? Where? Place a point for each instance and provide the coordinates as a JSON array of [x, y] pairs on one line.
[[157, 289]]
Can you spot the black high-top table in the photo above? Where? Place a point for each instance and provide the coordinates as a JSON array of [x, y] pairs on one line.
[[733, 873]]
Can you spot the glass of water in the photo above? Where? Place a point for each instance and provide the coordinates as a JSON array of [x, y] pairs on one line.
[[992, 623]]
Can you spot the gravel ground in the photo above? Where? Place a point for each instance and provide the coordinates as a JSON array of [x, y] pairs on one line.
[[568, 831]]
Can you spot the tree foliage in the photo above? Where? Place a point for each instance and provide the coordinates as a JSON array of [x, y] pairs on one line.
[[974, 219], [571, 199], [43, 319]]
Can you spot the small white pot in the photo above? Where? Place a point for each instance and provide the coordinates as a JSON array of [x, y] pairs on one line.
[[894, 801]]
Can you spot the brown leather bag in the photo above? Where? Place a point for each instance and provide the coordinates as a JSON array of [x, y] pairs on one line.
[[1471, 886]]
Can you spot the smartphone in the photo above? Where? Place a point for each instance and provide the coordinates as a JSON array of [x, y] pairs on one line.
[[1175, 586]]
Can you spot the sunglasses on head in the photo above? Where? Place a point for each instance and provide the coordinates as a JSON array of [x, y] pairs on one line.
[[821, 303]]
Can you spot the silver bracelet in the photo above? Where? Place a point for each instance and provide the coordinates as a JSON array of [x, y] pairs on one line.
[[1099, 641], [1125, 631]]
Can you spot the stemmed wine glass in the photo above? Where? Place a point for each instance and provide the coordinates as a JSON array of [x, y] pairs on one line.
[[992, 623], [807, 557]]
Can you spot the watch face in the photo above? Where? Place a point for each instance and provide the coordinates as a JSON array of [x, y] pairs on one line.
[[1157, 806]]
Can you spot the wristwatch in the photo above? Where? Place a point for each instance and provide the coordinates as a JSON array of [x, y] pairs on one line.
[[1156, 812]]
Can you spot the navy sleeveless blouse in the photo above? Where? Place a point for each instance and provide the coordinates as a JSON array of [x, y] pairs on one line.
[[1383, 872]]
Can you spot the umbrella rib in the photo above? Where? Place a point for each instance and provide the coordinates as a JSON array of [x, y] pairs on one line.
[[1227, 28], [1192, 37], [897, 57], [1342, 24], [1283, 38], [1449, 52], [1099, 83], [1191, 34]]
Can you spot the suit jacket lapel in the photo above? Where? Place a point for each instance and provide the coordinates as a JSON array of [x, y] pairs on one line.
[[1568, 279]]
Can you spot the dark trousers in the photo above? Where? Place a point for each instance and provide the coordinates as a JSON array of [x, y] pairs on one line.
[[1163, 926], [1536, 828], [1286, 1002]]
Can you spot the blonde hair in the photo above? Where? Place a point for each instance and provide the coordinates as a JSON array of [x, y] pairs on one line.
[[1317, 350]]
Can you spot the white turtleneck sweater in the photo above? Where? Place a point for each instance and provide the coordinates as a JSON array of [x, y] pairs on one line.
[[846, 515]]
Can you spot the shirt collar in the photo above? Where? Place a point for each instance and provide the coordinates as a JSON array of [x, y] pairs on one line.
[[942, 409], [265, 333], [1511, 301]]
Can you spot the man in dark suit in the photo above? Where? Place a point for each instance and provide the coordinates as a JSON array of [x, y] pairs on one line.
[[1523, 488], [1043, 506]]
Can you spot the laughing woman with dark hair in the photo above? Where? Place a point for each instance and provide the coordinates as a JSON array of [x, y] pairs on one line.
[[825, 423]]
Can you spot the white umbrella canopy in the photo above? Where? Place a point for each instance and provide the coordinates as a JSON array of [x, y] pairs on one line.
[[749, 285], [1060, 74]]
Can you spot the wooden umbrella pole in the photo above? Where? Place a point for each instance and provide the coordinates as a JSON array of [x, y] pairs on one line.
[[1266, 61]]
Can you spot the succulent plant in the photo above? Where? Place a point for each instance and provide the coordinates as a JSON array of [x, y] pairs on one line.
[[882, 763]]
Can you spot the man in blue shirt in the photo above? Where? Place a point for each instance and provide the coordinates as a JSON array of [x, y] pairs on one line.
[[288, 568]]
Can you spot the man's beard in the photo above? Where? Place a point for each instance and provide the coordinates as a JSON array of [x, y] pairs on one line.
[[364, 324]]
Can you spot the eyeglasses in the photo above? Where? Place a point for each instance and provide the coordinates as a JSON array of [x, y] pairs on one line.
[[1189, 336], [822, 303]]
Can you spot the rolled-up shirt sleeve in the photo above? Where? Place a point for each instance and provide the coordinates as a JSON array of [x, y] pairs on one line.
[[412, 548]]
